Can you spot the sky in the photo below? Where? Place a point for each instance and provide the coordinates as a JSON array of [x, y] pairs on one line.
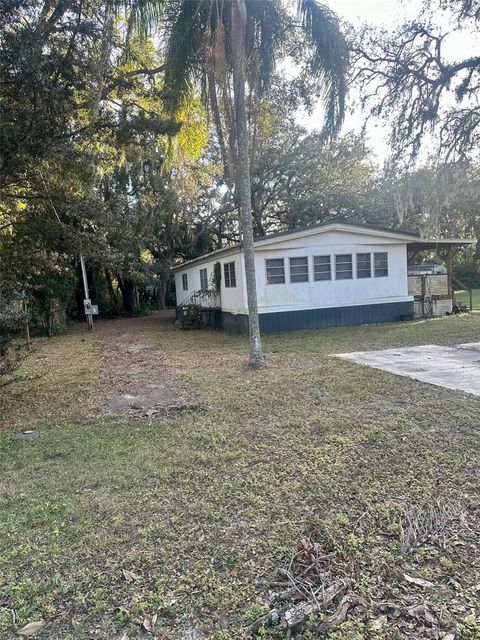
[[388, 14]]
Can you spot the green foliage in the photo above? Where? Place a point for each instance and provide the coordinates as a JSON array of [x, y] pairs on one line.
[[468, 274]]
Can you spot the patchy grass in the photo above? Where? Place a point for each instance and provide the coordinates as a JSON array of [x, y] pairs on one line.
[[52, 380], [205, 507]]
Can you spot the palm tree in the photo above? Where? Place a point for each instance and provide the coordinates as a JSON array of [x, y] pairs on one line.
[[230, 44]]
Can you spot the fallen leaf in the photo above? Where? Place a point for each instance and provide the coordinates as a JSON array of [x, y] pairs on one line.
[[418, 581], [129, 575], [449, 636], [31, 629], [149, 623]]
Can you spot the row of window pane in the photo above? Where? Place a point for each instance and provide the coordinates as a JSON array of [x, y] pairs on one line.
[[322, 269], [299, 270]]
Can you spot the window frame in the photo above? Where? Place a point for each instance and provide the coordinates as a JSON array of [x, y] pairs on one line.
[[315, 279], [385, 268], [340, 255], [307, 273], [364, 253], [282, 260], [204, 272], [228, 269], [185, 281]]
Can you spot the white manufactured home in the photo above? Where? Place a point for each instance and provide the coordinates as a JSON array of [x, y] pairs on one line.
[[330, 274]]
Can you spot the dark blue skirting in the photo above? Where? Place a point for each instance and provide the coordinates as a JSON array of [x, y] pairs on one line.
[[312, 318], [319, 318]]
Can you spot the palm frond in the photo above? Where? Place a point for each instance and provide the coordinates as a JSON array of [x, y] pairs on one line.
[[143, 16], [265, 28], [329, 58], [184, 56]]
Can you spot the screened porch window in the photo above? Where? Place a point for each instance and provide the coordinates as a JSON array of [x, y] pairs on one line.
[[203, 279], [381, 264], [364, 265], [275, 271], [322, 269], [185, 282], [229, 273], [343, 266], [298, 269]]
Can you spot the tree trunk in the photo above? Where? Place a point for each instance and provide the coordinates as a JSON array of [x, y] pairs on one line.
[[243, 178], [161, 292], [128, 294]]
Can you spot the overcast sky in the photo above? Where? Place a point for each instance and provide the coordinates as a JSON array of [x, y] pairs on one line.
[[389, 14]]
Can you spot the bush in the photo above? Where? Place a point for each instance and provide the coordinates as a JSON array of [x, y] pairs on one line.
[[12, 319]]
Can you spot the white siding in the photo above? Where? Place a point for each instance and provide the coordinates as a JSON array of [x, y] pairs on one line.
[[231, 299], [193, 277], [311, 294], [332, 293]]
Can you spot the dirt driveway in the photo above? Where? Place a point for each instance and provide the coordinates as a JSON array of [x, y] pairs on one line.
[[134, 375], [119, 367]]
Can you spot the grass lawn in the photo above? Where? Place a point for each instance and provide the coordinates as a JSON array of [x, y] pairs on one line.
[[463, 297], [205, 506]]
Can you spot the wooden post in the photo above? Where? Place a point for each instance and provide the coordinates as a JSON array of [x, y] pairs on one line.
[[85, 288], [424, 293], [27, 326], [449, 270]]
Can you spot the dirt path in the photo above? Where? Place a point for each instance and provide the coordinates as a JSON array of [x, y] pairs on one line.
[[119, 367], [133, 374]]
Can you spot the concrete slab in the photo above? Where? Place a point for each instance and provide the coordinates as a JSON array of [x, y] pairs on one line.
[[452, 367]]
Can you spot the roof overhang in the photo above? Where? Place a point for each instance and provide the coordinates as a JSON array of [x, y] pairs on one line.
[[225, 251], [423, 244]]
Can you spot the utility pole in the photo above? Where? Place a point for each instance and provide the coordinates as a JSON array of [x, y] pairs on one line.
[[87, 303]]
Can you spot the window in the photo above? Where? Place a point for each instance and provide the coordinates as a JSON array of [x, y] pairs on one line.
[[203, 279], [275, 271], [298, 269], [343, 266], [321, 268], [364, 265], [381, 264], [185, 282], [229, 273]]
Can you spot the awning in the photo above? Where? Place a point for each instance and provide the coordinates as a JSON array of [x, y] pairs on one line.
[[442, 243]]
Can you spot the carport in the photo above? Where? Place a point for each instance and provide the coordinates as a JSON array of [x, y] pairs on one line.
[[433, 292]]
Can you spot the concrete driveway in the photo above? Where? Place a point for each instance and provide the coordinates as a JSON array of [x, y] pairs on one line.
[[452, 367]]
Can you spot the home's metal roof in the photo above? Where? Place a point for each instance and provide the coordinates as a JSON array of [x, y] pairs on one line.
[[341, 222]]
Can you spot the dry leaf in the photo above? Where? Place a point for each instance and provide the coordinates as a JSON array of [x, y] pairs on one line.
[[449, 636], [31, 629], [418, 581], [149, 623], [129, 575]]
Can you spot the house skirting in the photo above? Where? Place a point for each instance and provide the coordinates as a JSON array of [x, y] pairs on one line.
[[319, 318], [278, 321]]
